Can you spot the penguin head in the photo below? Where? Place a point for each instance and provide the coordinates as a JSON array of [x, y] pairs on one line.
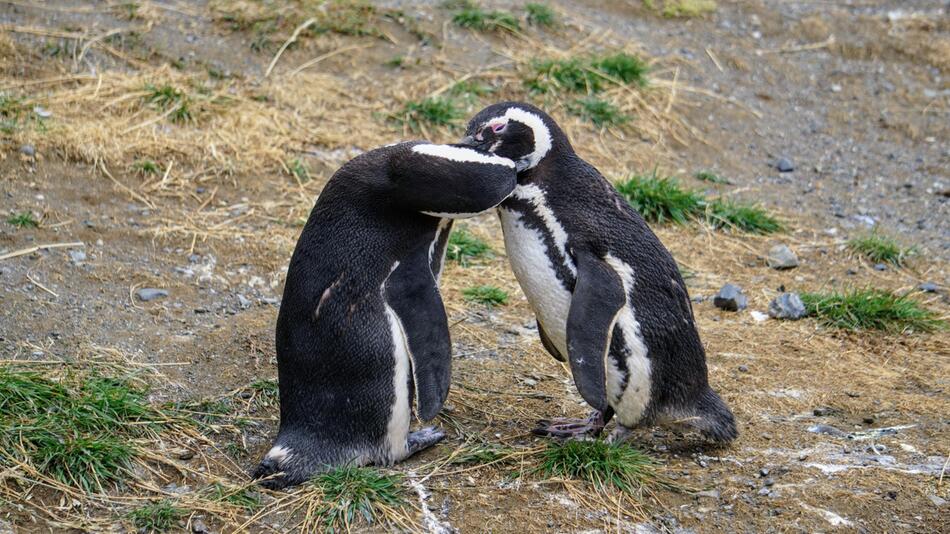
[[515, 130]]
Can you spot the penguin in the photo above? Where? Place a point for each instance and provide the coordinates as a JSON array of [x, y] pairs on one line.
[[362, 335], [607, 295]]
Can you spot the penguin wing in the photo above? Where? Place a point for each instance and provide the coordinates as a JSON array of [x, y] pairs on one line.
[[412, 293], [598, 297], [549, 345]]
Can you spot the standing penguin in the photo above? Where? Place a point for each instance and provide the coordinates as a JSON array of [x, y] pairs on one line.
[[607, 294], [362, 329]]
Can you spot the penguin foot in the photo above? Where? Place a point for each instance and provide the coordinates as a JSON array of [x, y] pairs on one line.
[[423, 439], [572, 428], [619, 434]]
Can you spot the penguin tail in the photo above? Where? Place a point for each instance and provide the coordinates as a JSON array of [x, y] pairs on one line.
[[714, 420]]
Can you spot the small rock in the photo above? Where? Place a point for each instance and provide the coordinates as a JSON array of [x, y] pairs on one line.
[[7, 528], [77, 256], [938, 501], [713, 494], [823, 411], [146, 294], [764, 472], [243, 302], [769, 482], [743, 368], [764, 492], [787, 306], [784, 165], [880, 267], [198, 527], [852, 271], [42, 112], [782, 257], [868, 420], [928, 287], [28, 150], [730, 298]]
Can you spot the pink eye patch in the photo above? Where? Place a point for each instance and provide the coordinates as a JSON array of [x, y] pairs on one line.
[[498, 128]]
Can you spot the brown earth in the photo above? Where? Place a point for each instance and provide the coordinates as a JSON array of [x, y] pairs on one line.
[[863, 116]]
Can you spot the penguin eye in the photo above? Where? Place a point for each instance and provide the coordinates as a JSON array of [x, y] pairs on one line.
[[500, 127]]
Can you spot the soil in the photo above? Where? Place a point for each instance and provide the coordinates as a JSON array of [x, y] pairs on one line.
[[855, 94]]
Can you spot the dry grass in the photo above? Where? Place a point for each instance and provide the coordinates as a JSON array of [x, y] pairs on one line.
[[276, 140]]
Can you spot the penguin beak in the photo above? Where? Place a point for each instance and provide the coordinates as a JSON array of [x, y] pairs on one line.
[[468, 140]]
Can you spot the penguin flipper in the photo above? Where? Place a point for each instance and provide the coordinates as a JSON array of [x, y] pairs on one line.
[[549, 345], [412, 293], [598, 297]]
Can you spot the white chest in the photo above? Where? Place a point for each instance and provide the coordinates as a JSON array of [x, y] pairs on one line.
[[532, 266]]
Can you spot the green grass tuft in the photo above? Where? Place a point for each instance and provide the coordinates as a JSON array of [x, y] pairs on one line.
[[23, 220], [749, 218], [624, 67], [349, 494], [600, 112], [76, 430], [299, 169], [146, 166], [687, 8], [471, 89], [431, 111], [475, 18], [168, 98], [871, 309], [711, 177], [571, 75], [540, 14], [160, 516], [487, 295], [661, 199], [12, 109], [880, 248], [464, 247], [265, 392], [600, 463], [242, 497]]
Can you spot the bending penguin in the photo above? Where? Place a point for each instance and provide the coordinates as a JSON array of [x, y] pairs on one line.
[[362, 330], [607, 294]]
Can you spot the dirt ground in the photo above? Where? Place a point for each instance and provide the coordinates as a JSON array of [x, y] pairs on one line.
[[856, 94]]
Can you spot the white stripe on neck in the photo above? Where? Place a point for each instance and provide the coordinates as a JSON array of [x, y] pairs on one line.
[[462, 155]]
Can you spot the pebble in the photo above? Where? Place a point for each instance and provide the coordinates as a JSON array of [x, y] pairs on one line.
[[711, 494], [868, 420], [938, 501], [823, 411], [787, 306], [42, 112], [782, 257], [828, 430], [730, 298], [743, 368], [928, 287], [784, 165], [880, 267], [28, 150], [198, 527], [77, 256], [243, 302], [146, 294]]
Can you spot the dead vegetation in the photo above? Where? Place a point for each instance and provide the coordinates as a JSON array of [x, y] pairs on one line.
[[233, 163]]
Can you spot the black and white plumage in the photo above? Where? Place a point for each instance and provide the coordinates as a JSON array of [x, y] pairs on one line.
[[362, 330], [607, 294]]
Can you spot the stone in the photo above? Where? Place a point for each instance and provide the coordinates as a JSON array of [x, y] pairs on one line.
[[743, 368], [146, 294], [710, 494], [781, 257], [42, 112], [938, 501], [243, 302], [77, 256], [784, 165], [823, 411], [28, 150], [730, 298], [928, 287], [787, 306], [198, 527], [880, 267]]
